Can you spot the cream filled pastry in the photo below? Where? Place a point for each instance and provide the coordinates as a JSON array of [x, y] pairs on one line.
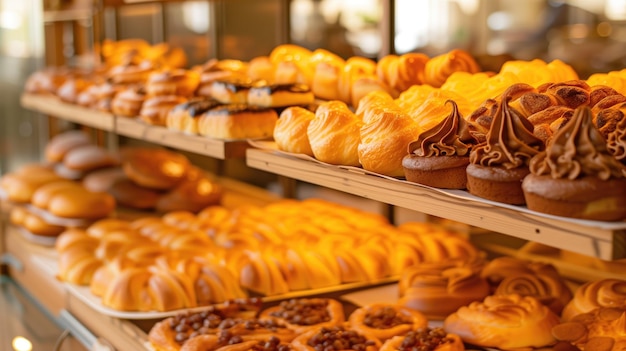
[[184, 117], [440, 155], [280, 95], [498, 165], [576, 176], [231, 90], [237, 121]]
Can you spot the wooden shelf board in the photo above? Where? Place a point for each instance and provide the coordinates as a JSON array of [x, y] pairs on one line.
[[134, 128], [51, 105], [605, 241]]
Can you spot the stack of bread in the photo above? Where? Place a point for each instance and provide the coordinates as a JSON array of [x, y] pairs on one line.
[[248, 246], [300, 324], [156, 179]]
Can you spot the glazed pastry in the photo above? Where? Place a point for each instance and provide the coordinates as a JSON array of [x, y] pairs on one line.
[[334, 134], [304, 314], [130, 73], [33, 223], [20, 185], [498, 165], [384, 321], [325, 83], [59, 145], [403, 71], [154, 110], [184, 117], [87, 158], [155, 168], [431, 339], [439, 157], [71, 89], [549, 290], [355, 67], [596, 294], [439, 289], [215, 69], [280, 95], [337, 338], [192, 194], [440, 67], [237, 121], [499, 268], [576, 176], [504, 322], [290, 132]]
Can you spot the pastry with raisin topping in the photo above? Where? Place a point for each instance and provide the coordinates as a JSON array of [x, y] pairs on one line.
[[306, 313], [424, 339], [335, 338], [385, 321]]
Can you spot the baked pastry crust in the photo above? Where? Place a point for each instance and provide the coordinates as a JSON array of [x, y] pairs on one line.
[[596, 294], [340, 338], [290, 132], [237, 121], [435, 339], [334, 134]]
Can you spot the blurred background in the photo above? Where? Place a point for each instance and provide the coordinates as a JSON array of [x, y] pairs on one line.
[[590, 35]]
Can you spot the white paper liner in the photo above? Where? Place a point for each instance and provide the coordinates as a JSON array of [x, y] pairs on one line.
[[52, 219], [42, 240], [459, 194]]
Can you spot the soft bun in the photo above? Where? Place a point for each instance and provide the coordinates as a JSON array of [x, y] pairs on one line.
[[80, 203], [20, 185], [62, 143], [595, 294], [155, 168]]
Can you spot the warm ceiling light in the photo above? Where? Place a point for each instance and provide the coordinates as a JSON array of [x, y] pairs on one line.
[[20, 343]]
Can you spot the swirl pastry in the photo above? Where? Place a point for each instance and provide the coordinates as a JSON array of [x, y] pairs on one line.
[[305, 314], [603, 328], [335, 338], [290, 132], [171, 333], [427, 339], [576, 176], [384, 321], [499, 268], [595, 294], [334, 134], [504, 322], [549, 290], [498, 165], [438, 289]]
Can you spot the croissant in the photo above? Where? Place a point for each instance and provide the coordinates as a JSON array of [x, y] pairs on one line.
[[402, 72], [334, 134]]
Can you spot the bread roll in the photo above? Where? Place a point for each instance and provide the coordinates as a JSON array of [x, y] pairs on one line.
[[127, 193], [154, 110], [44, 194], [178, 82], [101, 180], [128, 102], [88, 158], [504, 322], [155, 168], [334, 134], [191, 195], [33, 223], [237, 121], [290, 132], [59, 145], [20, 186], [80, 203]]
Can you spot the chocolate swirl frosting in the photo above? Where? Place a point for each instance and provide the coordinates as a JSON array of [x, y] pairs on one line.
[[616, 141], [510, 141], [449, 137], [578, 149]]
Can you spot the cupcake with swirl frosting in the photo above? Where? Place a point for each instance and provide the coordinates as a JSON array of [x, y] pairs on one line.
[[576, 176], [439, 156], [499, 164]]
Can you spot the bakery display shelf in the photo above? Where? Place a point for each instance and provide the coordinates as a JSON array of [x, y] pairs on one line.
[[134, 128], [603, 240], [53, 106], [216, 148]]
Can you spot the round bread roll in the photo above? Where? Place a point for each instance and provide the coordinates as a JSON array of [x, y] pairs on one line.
[[191, 195], [101, 180], [505, 322], [81, 203], [155, 168], [62, 143], [595, 294], [38, 226], [20, 186], [384, 321], [41, 198], [89, 157], [129, 194]]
